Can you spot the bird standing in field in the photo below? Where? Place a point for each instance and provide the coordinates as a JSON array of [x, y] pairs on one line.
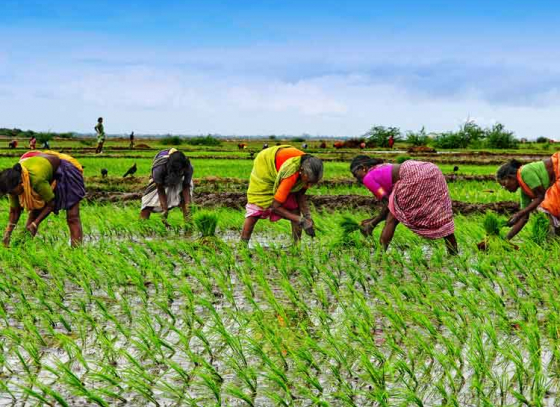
[[104, 172], [131, 171]]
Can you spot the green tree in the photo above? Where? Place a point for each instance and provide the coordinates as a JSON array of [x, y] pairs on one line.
[[498, 137], [419, 138], [378, 136]]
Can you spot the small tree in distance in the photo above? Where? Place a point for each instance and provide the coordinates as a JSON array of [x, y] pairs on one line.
[[378, 136]]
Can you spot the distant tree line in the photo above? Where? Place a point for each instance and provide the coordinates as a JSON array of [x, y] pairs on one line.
[[469, 135]]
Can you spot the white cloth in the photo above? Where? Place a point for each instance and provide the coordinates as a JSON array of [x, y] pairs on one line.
[[173, 193]]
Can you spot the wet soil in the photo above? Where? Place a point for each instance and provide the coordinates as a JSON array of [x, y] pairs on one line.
[[238, 200], [137, 184]]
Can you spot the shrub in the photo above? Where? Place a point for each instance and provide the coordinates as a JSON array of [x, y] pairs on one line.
[[417, 138], [497, 137], [378, 136], [470, 133], [402, 158], [42, 137], [171, 140], [298, 140], [203, 141], [450, 140]]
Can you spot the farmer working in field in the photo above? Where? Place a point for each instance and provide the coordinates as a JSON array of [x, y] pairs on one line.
[[41, 183], [100, 131], [414, 193], [279, 180], [539, 190], [170, 186]]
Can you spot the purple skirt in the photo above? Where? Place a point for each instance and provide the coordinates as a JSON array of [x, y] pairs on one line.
[[70, 188]]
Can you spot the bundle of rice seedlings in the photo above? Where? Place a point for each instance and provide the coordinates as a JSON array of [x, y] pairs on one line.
[[349, 225], [540, 228], [492, 224], [206, 223], [348, 237]]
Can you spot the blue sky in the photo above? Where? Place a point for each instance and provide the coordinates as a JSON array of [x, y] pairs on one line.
[[279, 67]]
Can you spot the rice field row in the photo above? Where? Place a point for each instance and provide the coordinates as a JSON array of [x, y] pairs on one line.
[[141, 315]]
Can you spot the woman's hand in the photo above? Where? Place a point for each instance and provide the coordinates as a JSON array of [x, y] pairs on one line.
[[308, 226], [367, 226], [515, 218], [6, 238], [32, 228]]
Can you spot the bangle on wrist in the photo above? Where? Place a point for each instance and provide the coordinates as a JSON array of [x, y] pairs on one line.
[[12, 224], [34, 225]]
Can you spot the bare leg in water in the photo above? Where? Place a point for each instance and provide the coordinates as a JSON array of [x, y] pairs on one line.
[[75, 225]]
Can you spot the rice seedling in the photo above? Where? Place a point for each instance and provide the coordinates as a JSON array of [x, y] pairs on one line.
[[540, 229]]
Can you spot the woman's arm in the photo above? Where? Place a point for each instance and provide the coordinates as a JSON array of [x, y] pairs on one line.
[[388, 231], [540, 193], [186, 201], [368, 225], [162, 197], [286, 214], [46, 211], [15, 214], [519, 224], [301, 199]]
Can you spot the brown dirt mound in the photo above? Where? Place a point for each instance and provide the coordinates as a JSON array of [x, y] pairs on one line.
[[238, 200], [422, 149]]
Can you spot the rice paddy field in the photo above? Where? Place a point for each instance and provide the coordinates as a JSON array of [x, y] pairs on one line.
[[144, 315]]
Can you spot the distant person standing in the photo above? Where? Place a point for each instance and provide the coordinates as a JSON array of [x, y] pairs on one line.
[[13, 144], [100, 131], [131, 140], [46, 145], [391, 141], [32, 143]]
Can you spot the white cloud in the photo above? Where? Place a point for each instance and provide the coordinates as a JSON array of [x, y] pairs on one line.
[[266, 90]]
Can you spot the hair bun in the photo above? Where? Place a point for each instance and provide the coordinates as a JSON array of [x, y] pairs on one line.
[[17, 167]]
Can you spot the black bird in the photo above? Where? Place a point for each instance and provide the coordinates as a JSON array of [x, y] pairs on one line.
[[104, 172], [131, 171], [455, 169]]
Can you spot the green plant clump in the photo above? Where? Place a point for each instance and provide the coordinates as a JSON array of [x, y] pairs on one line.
[[172, 141], [349, 225], [492, 224], [402, 158], [203, 141], [206, 223], [540, 228]]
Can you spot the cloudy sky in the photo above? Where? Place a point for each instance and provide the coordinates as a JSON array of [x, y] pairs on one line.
[[279, 66]]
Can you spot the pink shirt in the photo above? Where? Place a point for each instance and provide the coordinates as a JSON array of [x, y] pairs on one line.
[[379, 180]]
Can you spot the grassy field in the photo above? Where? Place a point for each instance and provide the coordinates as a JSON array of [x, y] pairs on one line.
[[143, 315]]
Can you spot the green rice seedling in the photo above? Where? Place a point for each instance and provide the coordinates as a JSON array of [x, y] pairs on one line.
[[540, 228], [206, 223], [492, 224], [349, 225], [402, 158]]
